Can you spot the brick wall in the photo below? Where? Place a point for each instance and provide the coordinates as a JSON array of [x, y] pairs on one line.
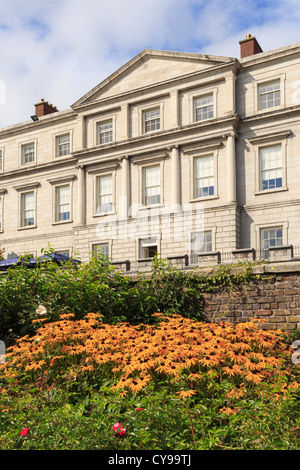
[[275, 297]]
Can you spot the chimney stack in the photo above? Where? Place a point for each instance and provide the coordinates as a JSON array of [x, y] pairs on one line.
[[43, 107], [249, 46]]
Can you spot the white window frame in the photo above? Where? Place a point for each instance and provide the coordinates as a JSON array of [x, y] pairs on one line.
[[98, 122], [144, 188], [146, 244], [261, 142], [257, 228], [276, 168], [62, 251], [265, 81], [57, 144], [22, 189], [57, 204], [98, 244], [142, 110], [99, 196], [103, 171], [22, 145], [22, 214], [154, 120], [192, 97], [55, 183], [191, 233], [144, 163]]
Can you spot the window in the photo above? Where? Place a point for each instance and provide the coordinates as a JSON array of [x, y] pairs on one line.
[[100, 249], [270, 237], [151, 120], [148, 248], [270, 167], [63, 145], [27, 209], [269, 95], [28, 153], [151, 185], [104, 193], [63, 203], [204, 176], [203, 108], [105, 132], [1, 223], [1, 160], [63, 253], [201, 241]]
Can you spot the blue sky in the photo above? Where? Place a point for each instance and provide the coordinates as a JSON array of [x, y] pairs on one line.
[[60, 49]]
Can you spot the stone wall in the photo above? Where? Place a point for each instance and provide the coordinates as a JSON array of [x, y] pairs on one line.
[[275, 296]]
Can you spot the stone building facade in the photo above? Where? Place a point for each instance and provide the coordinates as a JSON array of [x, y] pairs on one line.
[[192, 156]]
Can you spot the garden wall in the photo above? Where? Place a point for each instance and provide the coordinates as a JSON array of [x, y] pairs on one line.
[[274, 296]]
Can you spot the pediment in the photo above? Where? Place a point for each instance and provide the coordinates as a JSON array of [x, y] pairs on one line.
[[148, 68]]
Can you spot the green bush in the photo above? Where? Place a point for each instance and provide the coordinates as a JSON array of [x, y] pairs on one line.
[[97, 287]]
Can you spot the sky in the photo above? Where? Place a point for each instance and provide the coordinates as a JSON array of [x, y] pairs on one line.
[[58, 50]]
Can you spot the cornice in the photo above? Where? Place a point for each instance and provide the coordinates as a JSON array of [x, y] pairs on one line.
[[13, 174], [164, 139]]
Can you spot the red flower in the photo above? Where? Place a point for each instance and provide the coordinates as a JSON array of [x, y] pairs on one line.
[[118, 428], [139, 409], [24, 432]]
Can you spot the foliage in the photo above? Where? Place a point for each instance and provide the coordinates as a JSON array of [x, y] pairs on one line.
[[92, 287], [97, 286], [173, 384]]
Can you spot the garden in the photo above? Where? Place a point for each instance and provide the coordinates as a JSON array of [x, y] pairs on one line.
[[95, 361]]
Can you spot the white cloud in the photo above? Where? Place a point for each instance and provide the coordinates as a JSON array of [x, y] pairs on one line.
[[59, 49]]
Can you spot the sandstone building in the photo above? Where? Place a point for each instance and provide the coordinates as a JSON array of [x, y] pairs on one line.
[[192, 156]]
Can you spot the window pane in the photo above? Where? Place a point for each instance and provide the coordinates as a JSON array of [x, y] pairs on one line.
[[104, 197], [105, 132], [271, 167], [63, 203], [101, 249], [28, 154], [204, 176], [28, 209], [271, 237], [63, 145], [148, 248], [152, 185], [203, 108], [269, 95], [151, 120]]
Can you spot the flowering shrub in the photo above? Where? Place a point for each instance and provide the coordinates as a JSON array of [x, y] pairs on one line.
[[196, 385], [185, 353]]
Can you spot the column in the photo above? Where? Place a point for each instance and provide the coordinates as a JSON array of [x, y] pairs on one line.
[[124, 203], [124, 121], [175, 177], [231, 168], [174, 108], [81, 195]]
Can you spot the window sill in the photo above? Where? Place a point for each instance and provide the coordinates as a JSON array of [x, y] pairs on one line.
[[268, 191], [151, 206], [27, 227], [59, 222], [205, 198], [103, 214]]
